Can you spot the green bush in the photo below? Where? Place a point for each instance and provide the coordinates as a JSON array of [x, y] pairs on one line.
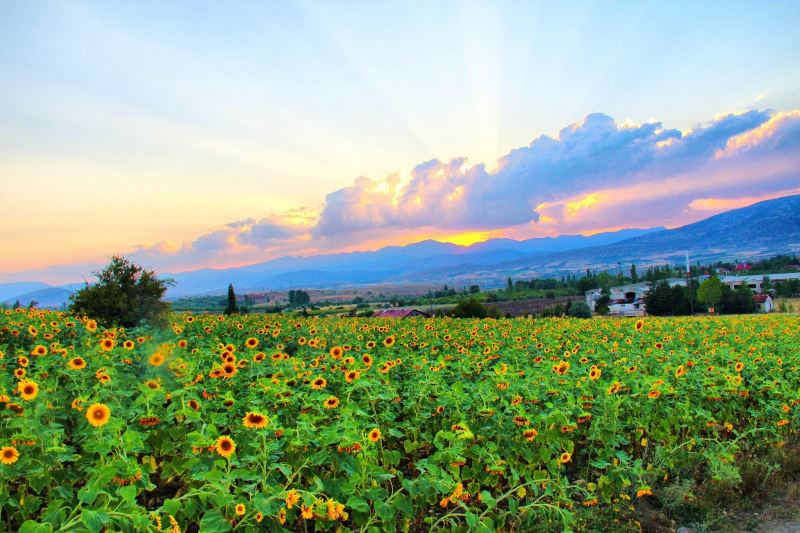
[[125, 295], [580, 310]]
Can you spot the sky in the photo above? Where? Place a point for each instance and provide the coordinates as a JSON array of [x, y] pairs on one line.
[[195, 134]]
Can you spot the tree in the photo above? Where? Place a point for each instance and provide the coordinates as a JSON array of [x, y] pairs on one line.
[[710, 291], [232, 308], [659, 299], [580, 310], [602, 303], [634, 275], [125, 295], [509, 285], [474, 289]]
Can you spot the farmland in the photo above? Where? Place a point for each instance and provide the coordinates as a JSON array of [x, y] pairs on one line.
[[264, 422]]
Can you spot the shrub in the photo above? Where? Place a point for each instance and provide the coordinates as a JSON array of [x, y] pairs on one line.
[[580, 310], [472, 308]]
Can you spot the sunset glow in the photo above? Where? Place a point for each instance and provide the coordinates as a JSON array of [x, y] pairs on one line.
[[195, 138]]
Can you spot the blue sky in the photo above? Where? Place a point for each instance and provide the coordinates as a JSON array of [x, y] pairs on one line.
[[145, 126]]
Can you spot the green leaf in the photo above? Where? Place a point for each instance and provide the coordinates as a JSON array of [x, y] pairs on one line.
[[87, 494], [214, 522], [472, 519], [94, 520], [171, 506], [357, 503], [29, 526]]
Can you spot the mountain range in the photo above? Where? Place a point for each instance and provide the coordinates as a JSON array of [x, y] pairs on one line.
[[765, 228]]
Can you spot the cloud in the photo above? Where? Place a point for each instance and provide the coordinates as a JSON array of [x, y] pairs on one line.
[[594, 154], [593, 175], [239, 240]]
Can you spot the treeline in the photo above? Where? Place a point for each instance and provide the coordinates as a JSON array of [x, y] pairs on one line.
[[663, 300]]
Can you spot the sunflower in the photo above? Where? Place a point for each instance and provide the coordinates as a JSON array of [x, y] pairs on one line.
[[307, 513], [318, 383], [252, 342], [240, 509], [225, 446], [375, 435], [28, 390], [653, 394], [8, 455], [91, 325], [22, 361], [739, 366], [530, 434], [595, 373], [292, 497], [565, 457], [255, 420], [259, 517], [39, 350], [639, 325], [229, 370], [331, 403], [157, 359], [389, 341], [282, 516], [193, 404], [19, 373], [76, 363], [98, 414], [366, 359], [107, 344], [352, 376], [561, 368], [336, 352]]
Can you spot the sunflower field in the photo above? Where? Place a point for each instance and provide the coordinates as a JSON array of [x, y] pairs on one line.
[[271, 423]]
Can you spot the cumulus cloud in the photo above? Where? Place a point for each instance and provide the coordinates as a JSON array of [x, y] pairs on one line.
[[594, 174], [594, 154]]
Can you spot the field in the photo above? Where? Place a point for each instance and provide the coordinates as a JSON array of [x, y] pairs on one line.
[[264, 422]]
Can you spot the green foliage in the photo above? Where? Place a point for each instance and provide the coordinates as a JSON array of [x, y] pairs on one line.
[[710, 291], [125, 295], [601, 305], [298, 298], [472, 308], [232, 307], [579, 310], [737, 301]]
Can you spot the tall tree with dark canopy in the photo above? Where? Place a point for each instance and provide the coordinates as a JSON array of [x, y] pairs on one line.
[[232, 308], [125, 294]]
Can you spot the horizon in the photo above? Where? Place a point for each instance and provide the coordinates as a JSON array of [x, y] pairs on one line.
[[217, 137]]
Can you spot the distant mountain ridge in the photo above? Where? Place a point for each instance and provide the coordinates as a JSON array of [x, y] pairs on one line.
[[764, 228], [389, 264]]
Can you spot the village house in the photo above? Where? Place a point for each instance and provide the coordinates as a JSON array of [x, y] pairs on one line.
[[628, 300]]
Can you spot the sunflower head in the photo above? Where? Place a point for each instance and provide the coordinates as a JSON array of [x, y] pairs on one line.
[[98, 414], [225, 446]]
